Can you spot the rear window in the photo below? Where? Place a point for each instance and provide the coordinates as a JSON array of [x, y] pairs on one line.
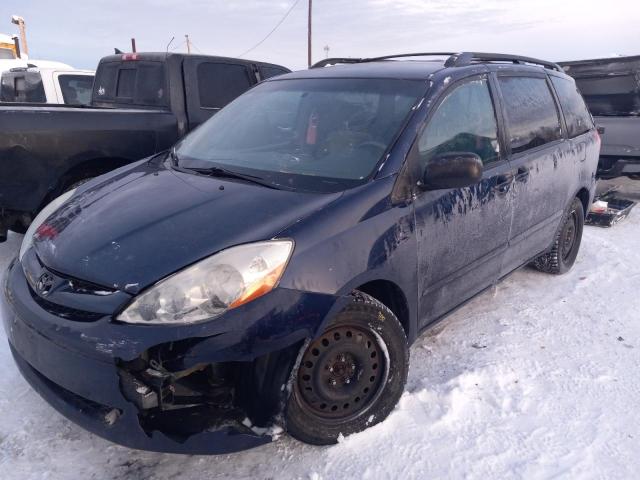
[[126, 84], [22, 87], [220, 83], [76, 89], [531, 112], [136, 82], [575, 111], [615, 94]]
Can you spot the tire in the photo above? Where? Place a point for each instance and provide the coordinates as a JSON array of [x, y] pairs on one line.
[[562, 255], [351, 376]]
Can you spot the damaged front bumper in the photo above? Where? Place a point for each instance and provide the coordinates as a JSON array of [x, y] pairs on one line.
[[210, 388]]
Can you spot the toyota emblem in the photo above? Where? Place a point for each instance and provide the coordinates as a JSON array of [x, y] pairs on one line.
[[45, 283]]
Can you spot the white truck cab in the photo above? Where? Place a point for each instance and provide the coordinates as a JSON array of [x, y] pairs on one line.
[[42, 81]]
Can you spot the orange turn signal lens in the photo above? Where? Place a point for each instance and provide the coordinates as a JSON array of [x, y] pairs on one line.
[[260, 287]]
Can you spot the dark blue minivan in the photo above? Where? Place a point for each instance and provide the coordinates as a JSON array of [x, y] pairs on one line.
[[271, 271]]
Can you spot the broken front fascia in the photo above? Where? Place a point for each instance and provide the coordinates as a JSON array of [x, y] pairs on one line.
[[207, 378]]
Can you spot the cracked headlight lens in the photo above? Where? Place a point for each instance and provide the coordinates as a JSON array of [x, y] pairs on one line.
[[212, 286]]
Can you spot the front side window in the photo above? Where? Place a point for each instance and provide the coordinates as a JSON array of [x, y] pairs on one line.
[[76, 89], [465, 121], [307, 134], [575, 111], [532, 116], [220, 83]]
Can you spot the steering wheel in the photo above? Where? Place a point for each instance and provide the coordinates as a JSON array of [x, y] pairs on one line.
[[358, 121]]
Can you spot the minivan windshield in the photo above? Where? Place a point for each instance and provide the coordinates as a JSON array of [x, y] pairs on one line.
[[319, 135]]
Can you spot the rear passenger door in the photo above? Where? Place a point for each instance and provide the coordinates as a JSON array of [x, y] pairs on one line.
[[577, 118], [542, 161], [211, 84], [462, 233]]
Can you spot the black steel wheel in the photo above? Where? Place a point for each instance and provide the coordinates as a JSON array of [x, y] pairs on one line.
[[351, 376], [341, 373], [564, 250]]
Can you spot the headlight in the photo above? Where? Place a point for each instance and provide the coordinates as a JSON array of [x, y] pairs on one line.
[[212, 286], [27, 241]]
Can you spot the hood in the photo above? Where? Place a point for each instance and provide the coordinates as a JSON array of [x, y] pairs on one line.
[[149, 221]]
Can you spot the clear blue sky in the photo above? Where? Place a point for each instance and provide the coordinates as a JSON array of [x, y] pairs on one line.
[[79, 32]]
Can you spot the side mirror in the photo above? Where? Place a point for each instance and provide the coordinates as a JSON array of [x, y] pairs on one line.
[[452, 170], [600, 129]]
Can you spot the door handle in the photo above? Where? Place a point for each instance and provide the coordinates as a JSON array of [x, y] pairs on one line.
[[522, 174], [503, 183]]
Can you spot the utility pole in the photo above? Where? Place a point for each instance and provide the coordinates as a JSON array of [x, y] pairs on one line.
[[23, 32], [309, 35], [326, 51], [188, 43], [133, 45]]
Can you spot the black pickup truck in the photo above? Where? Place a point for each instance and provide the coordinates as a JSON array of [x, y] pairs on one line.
[[611, 88], [142, 103]]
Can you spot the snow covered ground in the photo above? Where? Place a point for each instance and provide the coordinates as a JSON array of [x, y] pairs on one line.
[[538, 378]]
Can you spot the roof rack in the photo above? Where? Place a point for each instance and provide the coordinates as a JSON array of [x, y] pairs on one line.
[[467, 58], [460, 59], [336, 61]]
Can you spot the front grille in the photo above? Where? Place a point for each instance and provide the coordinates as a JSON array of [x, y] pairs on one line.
[[65, 296], [65, 312]]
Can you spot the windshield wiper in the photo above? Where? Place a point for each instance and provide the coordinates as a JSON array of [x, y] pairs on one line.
[[217, 171]]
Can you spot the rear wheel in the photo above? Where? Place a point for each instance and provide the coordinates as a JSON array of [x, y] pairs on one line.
[[351, 376], [566, 244]]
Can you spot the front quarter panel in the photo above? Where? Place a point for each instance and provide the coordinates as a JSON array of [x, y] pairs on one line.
[[360, 238]]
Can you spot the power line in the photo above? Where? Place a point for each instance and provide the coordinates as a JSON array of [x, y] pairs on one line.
[[273, 30]]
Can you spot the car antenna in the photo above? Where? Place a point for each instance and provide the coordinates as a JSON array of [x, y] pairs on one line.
[[168, 44]]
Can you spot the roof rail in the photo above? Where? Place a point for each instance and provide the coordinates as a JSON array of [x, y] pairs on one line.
[[467, 58], [454, 59], [401, 55], [335, 61]]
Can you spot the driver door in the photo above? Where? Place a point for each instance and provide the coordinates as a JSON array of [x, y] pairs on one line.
[[462, 233]]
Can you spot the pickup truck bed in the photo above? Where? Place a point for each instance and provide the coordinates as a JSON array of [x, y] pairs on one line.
[[142, 103], [37, 154], [620, 151], [611, 88]]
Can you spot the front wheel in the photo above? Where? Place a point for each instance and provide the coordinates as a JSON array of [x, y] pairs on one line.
[[562, 255], [351, 376]]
